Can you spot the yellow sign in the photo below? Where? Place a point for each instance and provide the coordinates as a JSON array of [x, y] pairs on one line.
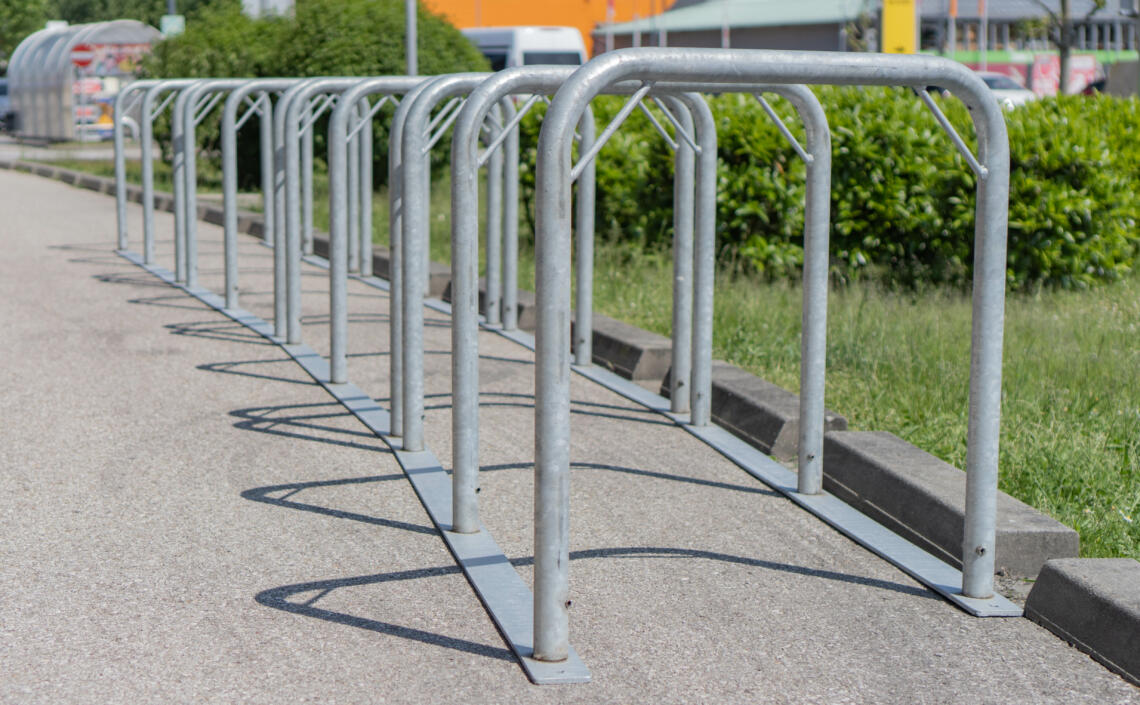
[[899, 27]]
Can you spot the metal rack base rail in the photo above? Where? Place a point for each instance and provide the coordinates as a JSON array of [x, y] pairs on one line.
[[721, 70]]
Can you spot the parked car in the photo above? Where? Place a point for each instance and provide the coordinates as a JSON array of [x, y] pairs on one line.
[[508, 47], [1008, 91]]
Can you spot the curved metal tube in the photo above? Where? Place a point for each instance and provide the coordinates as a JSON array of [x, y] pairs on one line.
[[281, 255], [396, 255], [293, 106], [190, 165], [263, 87], [147, 139], [178, 166], [728, 67], [415, 196], [121, 111], [465, 275], [338, 225]]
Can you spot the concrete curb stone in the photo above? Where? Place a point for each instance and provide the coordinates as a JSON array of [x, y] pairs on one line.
[[761, 413], [526, 319], [923, 499], [1094, 604]]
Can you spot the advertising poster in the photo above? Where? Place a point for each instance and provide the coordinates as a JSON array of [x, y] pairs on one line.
[[97, 83]]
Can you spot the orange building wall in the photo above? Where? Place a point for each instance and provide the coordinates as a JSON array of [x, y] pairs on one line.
[[583, 14]]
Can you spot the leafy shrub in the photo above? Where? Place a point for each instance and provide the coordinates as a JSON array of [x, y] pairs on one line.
[[323, 38], [902, 200]]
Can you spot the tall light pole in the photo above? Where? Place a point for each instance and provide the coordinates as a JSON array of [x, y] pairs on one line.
[[409, 36]]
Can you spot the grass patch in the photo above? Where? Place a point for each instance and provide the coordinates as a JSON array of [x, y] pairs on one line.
[[899, 362]]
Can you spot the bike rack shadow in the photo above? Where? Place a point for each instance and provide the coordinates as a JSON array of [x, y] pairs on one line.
[[223, 329], [302, 426], [262, 495], [751, 489], [279, 597], [577, 407]]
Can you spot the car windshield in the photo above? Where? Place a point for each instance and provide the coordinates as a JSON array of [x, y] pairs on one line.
[[560, 58], [498, 59], [1001, 83]]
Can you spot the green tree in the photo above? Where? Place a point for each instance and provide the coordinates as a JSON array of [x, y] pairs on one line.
[[18, 19]]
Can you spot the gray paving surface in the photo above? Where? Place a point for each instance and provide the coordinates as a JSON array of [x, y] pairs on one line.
[[185, 517]]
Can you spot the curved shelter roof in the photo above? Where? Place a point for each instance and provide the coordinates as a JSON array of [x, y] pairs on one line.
[[41, 75]]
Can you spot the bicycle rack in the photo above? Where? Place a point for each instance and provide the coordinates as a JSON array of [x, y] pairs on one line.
[[672, 78], [725, 70]]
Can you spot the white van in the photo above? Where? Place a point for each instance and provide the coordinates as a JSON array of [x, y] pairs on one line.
[[528, 46]]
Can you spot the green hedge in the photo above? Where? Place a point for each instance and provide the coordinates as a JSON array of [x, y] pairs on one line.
[[902, 202], [324, 38]]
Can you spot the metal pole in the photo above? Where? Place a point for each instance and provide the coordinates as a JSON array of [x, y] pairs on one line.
[[338, 227], [354, 204], [704, 263], [338, 258], [229, 194], [366, 190], [268, 172], [410, 40], [295, 107], [813, 339], [494, 233], [179, 177], [510, 222], [147, 137], [584, 240], [552, 384], [464, 275], [190, 120], [264, 104], [684, 165], [189, 208], [281, 258], [307, 185], [396, 256], [465, 323]]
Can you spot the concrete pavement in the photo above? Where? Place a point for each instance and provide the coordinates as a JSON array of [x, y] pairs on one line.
[[188, 518]]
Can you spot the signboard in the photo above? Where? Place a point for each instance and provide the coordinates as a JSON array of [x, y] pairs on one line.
[[172, 25], [82, 55], [899, 29]]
